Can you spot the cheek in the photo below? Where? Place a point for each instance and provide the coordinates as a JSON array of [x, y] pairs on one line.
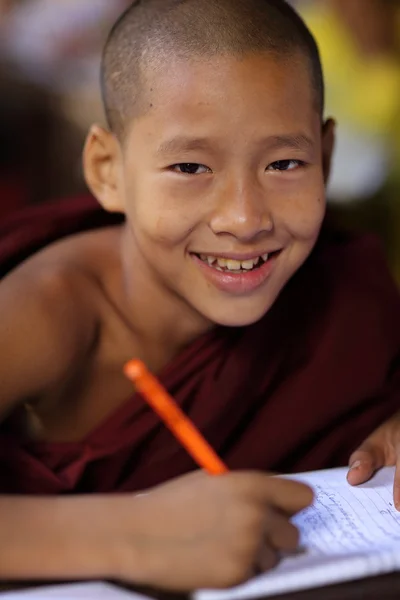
[[304, 211], [168, 228], [162, 220], [159, 215], [307, 217]]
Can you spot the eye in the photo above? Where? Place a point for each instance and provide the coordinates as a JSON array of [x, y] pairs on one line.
[[285, 165], [190, 169]]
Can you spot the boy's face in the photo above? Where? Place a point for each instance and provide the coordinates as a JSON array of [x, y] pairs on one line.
[[223, 182]]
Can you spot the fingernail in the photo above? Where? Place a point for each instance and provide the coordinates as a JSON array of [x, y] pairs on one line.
[[355, 465]]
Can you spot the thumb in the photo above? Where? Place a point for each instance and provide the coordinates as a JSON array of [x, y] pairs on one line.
[[364, 462], [396, 485]]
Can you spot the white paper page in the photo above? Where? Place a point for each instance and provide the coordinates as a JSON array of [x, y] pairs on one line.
[[85, 591], [349, 519], [348, 533]]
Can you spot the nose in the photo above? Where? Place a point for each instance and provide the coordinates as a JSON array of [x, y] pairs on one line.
[[241, 211]]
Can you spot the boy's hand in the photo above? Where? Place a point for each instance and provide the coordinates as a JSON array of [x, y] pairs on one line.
[[205, 531], [380, 449]]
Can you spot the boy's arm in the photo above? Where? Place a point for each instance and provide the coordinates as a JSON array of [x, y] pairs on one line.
[[196, 531], [199, 531], [61, 538], [46, 327]]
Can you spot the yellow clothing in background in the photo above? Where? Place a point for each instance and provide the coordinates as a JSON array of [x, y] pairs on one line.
[[362, 92]]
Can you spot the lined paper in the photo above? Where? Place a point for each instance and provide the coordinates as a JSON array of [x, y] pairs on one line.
[[348, 533]]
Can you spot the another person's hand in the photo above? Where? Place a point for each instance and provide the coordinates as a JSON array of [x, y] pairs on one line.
[[209, 531], [380, 449]]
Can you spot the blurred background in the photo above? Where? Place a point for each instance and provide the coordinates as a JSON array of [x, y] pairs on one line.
[[49, 96]]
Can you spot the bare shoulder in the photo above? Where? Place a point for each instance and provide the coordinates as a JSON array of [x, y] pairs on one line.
[[72, 265], [50, 314]]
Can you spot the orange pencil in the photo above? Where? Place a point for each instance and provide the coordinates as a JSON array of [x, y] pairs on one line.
[[179, 424]]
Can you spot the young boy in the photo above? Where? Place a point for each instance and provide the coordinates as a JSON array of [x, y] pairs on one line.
[[280, 341]]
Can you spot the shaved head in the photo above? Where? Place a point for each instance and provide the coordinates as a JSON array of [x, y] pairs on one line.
[[152, 33]]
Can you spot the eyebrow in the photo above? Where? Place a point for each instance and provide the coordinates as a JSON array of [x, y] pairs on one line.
[[183, 144], [298, 141]]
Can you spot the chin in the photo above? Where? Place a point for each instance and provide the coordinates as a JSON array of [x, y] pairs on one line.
[[239, 316]]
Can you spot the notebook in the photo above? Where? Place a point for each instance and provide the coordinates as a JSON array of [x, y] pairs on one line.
[[349, 533], [84, 591]]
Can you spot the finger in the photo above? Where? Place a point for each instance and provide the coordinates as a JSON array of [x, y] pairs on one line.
[[280, 537], [396, 485], [281, 533], [364, 462], [267, 559], [286, 495], [290, 496]]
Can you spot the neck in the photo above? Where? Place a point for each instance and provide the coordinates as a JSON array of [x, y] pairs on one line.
[[162, 322]]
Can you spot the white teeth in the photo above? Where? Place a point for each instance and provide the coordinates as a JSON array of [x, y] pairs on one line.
[[247, 265], [222, 264], [233, 265], [237, 265]]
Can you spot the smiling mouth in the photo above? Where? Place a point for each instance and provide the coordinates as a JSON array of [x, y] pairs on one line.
[[236, 266]]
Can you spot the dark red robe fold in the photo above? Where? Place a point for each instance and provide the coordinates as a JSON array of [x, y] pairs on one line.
[[298, 390]]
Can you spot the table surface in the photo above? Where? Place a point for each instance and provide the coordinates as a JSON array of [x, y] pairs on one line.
[[386, 587]]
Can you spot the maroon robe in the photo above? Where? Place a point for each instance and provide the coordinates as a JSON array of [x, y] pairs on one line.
[[298, 390]]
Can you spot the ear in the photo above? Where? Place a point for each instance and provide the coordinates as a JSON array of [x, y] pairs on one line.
[[102, 164], [328, 147]]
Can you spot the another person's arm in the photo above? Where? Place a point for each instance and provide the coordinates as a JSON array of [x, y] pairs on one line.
[[380, 449]]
